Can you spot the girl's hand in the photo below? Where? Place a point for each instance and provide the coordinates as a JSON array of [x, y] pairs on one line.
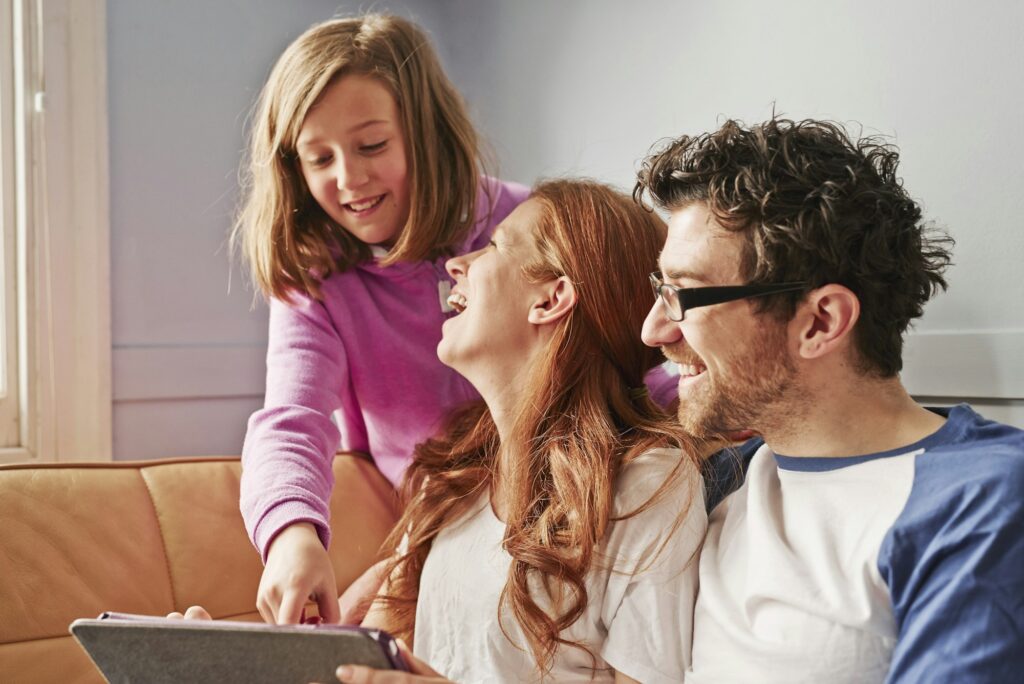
[[355, 601], [421, 672], [298, 568]]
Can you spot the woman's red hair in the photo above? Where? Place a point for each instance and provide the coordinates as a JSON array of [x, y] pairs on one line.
[[585, 414]]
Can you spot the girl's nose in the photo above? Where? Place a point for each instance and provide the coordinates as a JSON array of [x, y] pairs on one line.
[[351, 173]]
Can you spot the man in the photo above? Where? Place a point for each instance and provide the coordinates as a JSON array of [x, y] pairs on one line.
[[871, 539]]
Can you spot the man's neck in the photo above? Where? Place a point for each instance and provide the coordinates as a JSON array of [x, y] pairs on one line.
[[865, 416]]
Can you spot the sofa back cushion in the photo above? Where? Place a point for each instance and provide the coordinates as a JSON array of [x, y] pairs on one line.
[[145, 537]]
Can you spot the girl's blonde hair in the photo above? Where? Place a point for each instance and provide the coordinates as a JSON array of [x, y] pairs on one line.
[[286, 239], [585, 414]]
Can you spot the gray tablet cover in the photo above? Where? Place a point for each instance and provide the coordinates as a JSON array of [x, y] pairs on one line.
[[131, 649]]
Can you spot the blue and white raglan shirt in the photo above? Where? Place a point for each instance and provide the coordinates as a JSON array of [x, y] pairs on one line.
[[901, 566]]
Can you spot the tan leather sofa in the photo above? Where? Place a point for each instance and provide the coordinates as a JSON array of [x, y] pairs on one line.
[[144, 537]]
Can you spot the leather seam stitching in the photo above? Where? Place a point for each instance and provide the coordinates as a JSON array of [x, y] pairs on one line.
[[163, 538]]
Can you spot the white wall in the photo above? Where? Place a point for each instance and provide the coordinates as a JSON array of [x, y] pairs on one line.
[[578, 87], [587, 86], [188, 348]]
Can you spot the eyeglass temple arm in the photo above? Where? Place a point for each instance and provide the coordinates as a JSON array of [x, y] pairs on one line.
[[706, 296]]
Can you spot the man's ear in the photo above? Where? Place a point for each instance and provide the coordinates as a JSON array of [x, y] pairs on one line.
[[555, 300], [824, 320]]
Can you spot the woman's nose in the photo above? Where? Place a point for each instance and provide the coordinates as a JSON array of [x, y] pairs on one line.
[[456, 266], [459, 265]]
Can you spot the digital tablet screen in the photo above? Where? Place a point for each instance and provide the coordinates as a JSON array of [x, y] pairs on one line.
[[136, 648]]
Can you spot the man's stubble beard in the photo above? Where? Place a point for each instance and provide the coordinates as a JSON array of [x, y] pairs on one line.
[[755, 395]]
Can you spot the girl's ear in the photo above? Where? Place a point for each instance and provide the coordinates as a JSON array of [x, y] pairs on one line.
[[555, 300]]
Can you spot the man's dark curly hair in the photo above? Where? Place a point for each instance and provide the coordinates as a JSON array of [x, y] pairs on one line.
[[814, 206]]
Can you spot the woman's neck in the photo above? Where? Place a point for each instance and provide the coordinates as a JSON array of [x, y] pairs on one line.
[[503, 403], [503, 386]]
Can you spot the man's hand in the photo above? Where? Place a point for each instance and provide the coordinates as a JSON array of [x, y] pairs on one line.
[[355, 601], [421, 672], [298, 568]]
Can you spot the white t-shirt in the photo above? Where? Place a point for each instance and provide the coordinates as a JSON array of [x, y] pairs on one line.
[[899, 566], [639, 616]]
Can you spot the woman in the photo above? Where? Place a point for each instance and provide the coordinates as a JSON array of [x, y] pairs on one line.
[[552, 532]]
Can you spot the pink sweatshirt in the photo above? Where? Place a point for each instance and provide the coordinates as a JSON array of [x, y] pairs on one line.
[[367, 354]]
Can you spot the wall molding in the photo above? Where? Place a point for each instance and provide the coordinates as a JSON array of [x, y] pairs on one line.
[[965, 364], [151, 373], [957, 365]]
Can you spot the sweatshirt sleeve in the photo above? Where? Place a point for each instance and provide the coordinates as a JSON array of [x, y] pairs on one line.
[[287, 475], [662, 386], [954, 563], [497, 200]]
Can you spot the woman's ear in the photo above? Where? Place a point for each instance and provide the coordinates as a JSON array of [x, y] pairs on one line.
[[556, 298], [824, 321]]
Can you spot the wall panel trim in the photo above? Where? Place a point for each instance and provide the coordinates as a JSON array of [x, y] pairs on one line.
[[967, 365], [188, 372]]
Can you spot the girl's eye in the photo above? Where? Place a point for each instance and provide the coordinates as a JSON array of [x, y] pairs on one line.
[[320, 161], [374, 147], [492, 243]]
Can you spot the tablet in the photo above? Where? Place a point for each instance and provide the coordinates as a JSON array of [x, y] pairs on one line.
[[139, 648]]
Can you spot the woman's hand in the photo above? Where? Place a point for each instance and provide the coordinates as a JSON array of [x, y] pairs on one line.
[[298, 568], [193, 613], [356, 600], [421, 672]]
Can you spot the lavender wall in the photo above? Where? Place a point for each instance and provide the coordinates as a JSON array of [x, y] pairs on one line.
[[573, 87]]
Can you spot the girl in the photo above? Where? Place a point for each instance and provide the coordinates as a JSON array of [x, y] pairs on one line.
[[364, 176], [553, 530]]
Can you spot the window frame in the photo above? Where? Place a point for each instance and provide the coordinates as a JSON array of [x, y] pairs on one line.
[[63, 231], [14, 30]]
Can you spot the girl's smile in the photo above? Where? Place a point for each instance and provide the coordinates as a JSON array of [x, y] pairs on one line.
[[353, 158]]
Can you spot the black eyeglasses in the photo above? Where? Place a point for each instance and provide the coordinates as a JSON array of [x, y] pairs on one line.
[[678, 299]]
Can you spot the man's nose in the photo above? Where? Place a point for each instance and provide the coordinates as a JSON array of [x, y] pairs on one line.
[[658, 330]]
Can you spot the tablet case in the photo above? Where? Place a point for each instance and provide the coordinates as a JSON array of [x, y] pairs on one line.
[[137, 648]]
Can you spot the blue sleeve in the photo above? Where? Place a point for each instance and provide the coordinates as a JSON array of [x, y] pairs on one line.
[[725, 470], [954, 564]]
